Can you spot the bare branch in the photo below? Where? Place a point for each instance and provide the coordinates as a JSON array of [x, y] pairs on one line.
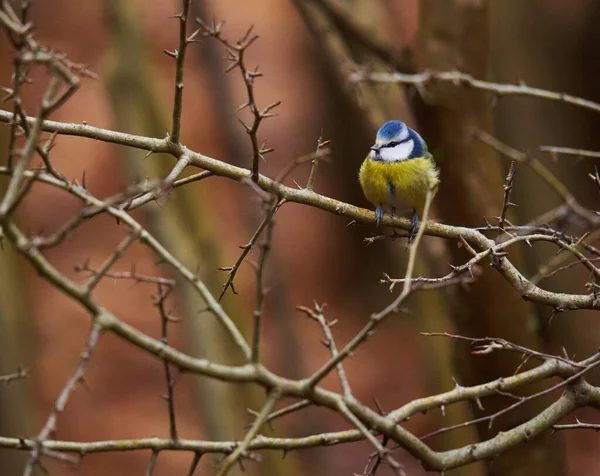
[[466, 80], [179, 64], [237, 59], [246, 249], [570, 151], [228, 462], [317, 315], [61, 403]]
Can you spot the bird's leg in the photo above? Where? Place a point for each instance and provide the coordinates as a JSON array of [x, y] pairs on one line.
[[414, 223], [379, 214]]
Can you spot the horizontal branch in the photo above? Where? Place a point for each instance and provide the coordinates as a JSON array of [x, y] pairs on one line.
[[463, 79], [570, 151], [477, 240], [259, 442]]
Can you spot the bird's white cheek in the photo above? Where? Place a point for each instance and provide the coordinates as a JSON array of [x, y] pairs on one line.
[[398, 153]]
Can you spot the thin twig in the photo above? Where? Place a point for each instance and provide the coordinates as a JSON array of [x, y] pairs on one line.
[[570, 151], [466, 80], [18, 375], [246, 249], [315, 163], [179, 56], [163, 293], [194, 465], [294, 407], [508, 186], [152, 463], [521, 401], [61, 402], [228, 462], [396, 467], [111, 260], [237, 59], [264, 249], [545, 173], [317, 315], [577, 426]]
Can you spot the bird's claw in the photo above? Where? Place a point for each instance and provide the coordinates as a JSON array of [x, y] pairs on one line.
[[378, 215], [414, 224]]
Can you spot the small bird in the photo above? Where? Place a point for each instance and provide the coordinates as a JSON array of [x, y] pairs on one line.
[[398, 170]]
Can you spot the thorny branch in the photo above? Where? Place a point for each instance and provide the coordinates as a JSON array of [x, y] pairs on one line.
[[247, 248], [62, 400], [506, 203], [165, 317], [317, 315], [259, 268], [18, 375], [237, 59], [466, 80]]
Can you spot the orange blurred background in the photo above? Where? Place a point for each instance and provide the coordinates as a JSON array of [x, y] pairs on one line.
[[549, 44]]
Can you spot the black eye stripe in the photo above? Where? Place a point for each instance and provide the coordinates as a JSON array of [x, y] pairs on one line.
[[395, 143]]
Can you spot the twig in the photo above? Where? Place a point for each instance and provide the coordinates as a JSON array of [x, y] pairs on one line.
[[324, 154], [315, 163], [194, 465], [487, 345], [246, 249], [18, 176], [236, 57], [61, 402], [18, 375], [112, 259], [521, 401], [179, 56], [265, 248], [577, 426], [466, 80], [507, 192], [132, 275], [570, 151], [284, 411], [228, 462], [560, 189], [397, 468], [317, 315], [163, 293], [152, 463]]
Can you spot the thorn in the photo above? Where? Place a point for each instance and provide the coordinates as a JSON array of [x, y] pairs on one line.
[[192, 37], [172, 54]]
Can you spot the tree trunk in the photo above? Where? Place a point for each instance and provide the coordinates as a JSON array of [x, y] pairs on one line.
[[454, 34]]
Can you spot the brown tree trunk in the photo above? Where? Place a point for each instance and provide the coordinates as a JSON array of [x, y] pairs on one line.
[[454, 34]]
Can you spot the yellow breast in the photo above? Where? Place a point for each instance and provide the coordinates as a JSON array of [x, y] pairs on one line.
[[385, 182]]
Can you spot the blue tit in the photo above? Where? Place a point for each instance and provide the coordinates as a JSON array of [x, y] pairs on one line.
[[398, 170]]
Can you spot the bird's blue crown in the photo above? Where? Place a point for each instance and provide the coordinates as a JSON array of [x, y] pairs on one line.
[[391, 129], [396, 134]]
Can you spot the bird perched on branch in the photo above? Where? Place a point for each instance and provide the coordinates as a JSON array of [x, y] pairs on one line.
[[397, 171]]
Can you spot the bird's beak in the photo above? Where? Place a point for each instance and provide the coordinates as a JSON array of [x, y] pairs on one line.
[[376, 148]]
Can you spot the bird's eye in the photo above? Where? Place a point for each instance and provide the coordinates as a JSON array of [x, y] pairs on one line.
[[392, 144]]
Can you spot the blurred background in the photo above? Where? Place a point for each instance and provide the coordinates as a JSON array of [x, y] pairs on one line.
[[304, 51]]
